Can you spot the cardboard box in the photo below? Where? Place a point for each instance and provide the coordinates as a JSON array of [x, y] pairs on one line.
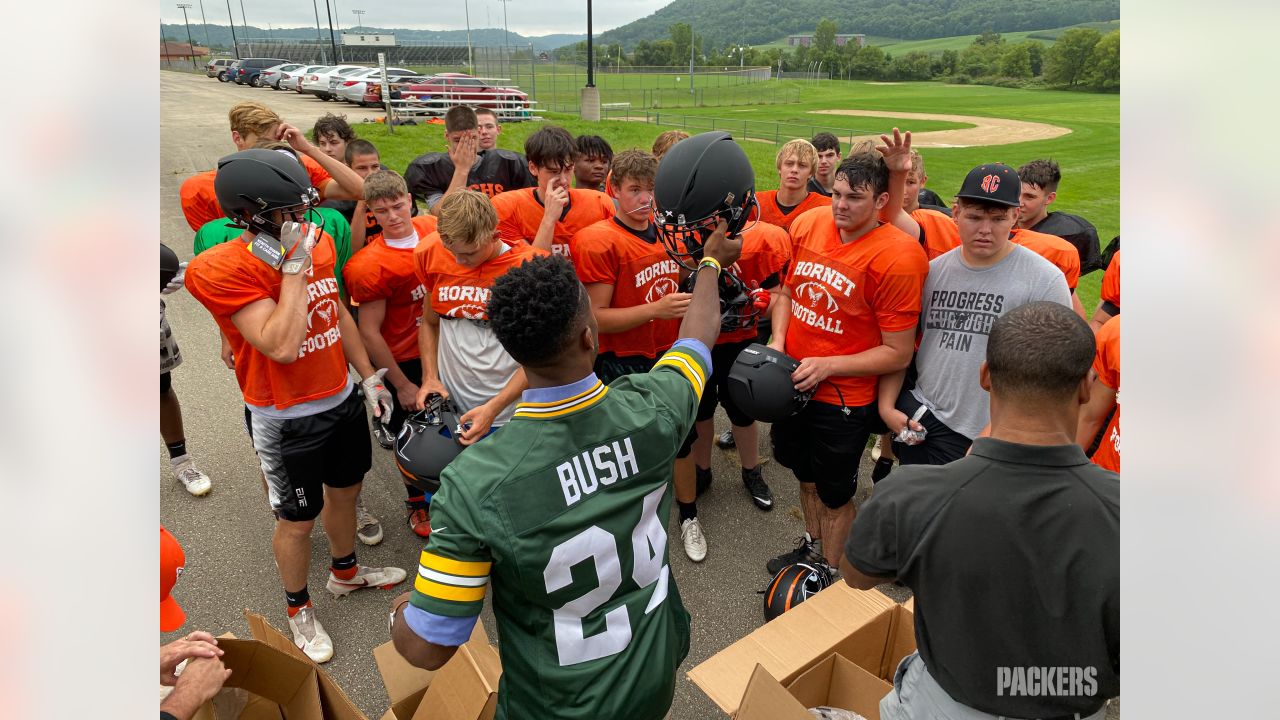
[[866, 628], [465, 688], [333, 701], [279, 685], [833, 682]]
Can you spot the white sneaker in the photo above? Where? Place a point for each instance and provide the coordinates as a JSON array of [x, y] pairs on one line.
[[875, 449], [368, 529], [695, 543], [185, 470], [309, 635], [365, 577]]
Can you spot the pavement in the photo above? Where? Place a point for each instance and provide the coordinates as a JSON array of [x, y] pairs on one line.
[[227, 534]]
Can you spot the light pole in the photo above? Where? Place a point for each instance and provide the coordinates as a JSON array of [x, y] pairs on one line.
[[506, 35], [191, 46], [235, 46], [466, 7], [332, 43], [244, 23], [359, 18], [319, 41], [206, 29]]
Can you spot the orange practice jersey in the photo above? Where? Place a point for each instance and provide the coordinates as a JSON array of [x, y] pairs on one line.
[[380, 272], [520, 214], [766, 251], [457, 291], [939, 232], [200, 202], [1050, 247], [226, 278], [640, 272], [843, 295], [772, 213], [1107, 364], [1111, 281]]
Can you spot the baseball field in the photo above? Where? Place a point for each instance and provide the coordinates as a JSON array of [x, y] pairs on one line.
[[1089, 154]]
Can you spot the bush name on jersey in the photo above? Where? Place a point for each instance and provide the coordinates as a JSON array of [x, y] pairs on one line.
[[817, 294], [578, 476]]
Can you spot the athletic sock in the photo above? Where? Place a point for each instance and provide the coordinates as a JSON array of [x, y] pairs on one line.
[[297, 600], [177, 449], [417, 501], [344, 568], [688, 511]]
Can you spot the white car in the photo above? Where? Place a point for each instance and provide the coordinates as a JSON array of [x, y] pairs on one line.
[[272, 76], [356, 89], [339, 85], [317, 83], [293, 80]]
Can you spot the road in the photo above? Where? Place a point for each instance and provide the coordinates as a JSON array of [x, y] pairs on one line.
[[227, 534]]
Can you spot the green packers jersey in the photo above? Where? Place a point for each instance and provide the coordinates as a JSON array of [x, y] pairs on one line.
[[216, 232], [563, 511]]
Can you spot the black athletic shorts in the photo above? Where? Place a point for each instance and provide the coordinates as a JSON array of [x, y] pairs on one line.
[[299, 457], [823, 445], [941, 444], [717, 390], [166, 382], [610, 367], [412, 369]]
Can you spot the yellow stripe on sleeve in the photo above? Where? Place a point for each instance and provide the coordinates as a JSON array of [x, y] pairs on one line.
[[448, 592], [688, 368], [454, 567]]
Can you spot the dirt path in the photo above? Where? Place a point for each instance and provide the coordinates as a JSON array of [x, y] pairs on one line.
[[985, 130]]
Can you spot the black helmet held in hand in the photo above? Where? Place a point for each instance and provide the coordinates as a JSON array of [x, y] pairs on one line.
[[793, 585], [700, 180], [251, 183], [760, 384], [427, 443]]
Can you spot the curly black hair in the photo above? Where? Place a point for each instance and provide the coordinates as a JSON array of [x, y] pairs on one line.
[[537, 309]]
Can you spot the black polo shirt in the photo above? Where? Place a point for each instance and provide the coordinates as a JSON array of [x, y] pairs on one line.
[[1013, 554]]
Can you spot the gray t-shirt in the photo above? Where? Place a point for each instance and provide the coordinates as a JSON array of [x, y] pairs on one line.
[[959, 305]]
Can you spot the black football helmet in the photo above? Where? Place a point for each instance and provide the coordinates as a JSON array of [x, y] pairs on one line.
[[793, 585], [700, 180], [427, 443], [251, 183], [169, 265], [760, 384], [740, 306]]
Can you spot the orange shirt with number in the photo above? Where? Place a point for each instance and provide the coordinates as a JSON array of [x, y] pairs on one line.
[[380, 272], [844, 295], [1107, 364], [228, 277], [520, 213]]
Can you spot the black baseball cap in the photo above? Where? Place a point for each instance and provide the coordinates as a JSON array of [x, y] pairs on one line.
[[994, 183]]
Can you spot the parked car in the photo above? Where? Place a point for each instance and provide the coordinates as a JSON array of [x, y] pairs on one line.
[[229, 74], [271, 76], [292, 80], [250, 69], [445, 90], [317, 83], [218, 67], [356, 86]]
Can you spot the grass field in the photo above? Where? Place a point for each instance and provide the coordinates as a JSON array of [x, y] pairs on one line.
[[1089, 155]]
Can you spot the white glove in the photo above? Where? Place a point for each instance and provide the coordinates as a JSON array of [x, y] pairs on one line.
[[176, 283], [376, 396]]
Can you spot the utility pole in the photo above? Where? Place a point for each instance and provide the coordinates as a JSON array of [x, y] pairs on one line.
[[591, 76], [191, 46], [332, 43], [471, 68], [319, 40], [359, 18], [506, 35], [235, 46], [244, 23], [206, 29], [691, 58]]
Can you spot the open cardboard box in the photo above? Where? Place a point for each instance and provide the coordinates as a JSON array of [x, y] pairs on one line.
[[866, 628], [833, 682], [465, 688]]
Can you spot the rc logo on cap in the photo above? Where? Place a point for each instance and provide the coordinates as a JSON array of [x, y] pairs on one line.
[[990, 183], [994, 183]]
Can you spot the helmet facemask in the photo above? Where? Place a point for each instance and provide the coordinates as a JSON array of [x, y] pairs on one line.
[[684, 240], [261, 223]]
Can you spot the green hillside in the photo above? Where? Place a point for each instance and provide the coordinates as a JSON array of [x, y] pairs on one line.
[[721, 22], [897, 46]]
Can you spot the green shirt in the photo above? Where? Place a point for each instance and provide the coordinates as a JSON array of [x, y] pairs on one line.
[[563, 511], [216, 232]]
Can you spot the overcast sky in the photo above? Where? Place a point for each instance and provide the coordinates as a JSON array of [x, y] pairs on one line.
[[527, 17]]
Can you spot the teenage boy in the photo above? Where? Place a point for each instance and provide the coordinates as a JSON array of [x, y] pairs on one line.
[[634, 292], [380, 277], [549, 215], [332, 134], [433, 175], [848, 312], [824, 174], [1040, 179], [795, 163], [591, 163], [274, 296]]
